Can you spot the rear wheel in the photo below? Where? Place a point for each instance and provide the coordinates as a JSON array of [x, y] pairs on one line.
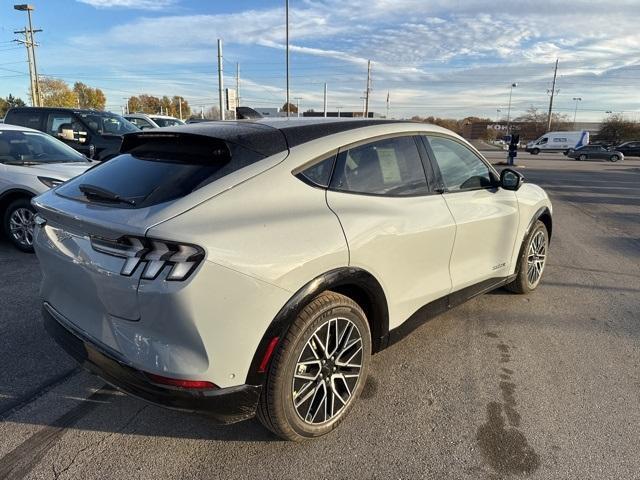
[[582, 157], [532, 260], [18, 224], [318, 370]]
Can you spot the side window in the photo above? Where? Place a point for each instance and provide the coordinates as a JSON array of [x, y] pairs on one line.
[[543, 141], [460, 168], [320, 173], [140, 123], [385, 167], [59, 124]]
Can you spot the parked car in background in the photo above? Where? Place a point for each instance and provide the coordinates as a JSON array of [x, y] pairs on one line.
[[144, 121], [257, 270], [597, 152], [30, 163], [558, 142], [95, 133], [629, 149]]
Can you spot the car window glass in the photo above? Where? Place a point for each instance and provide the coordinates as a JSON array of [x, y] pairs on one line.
[[25, 119], [139, 122], [385, 167], [16, 146], [320, 173], [461, 169], [57, 122], [543, 141]]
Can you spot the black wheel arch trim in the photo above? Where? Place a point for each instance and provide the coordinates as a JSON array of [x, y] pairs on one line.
[[20, 191], [543, 214], [339, 280]]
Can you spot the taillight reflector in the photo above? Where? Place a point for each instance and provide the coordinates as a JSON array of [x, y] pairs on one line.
[[267, 355], [176, 382]]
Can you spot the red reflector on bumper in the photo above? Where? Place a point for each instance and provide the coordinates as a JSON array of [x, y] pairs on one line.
[[175, 382]]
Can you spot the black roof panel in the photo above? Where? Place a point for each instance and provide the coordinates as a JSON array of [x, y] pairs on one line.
[[268, 136]]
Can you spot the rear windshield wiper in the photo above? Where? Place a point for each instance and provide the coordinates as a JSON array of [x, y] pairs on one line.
[[91, 191]]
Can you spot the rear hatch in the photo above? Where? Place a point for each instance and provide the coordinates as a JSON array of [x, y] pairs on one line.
[[158, 175]]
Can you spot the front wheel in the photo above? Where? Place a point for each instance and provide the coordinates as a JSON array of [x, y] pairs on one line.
[[582, 157], [318, 370], [614, 158], [18, 224], [535, 151], [532, 260]]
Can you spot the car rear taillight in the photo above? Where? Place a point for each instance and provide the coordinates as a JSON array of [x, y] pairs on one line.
[[154, 254]]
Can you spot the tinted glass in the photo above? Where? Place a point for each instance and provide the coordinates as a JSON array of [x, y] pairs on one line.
[[107, 123], [320, 173], [57, 122], [25, 119], [386, 167], [153, 174], [460, 167], [140, 123], [32, 147], [167, 122]]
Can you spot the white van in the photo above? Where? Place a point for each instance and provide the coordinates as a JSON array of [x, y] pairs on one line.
[[558, 142]]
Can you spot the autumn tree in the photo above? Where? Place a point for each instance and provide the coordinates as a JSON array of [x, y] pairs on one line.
[[616, 129], [88, 97], [56, 93], [292, 108], [153, 105], [8, 103]]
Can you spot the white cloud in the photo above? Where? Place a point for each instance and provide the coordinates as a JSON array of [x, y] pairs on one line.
[[135, 4]]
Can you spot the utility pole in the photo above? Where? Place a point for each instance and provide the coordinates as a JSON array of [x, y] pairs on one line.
[[388, 99], [553, 91], [366, 101], [237, 85], [220, 80], [29, 43], [180, 107], [287, 33], [325, 99]]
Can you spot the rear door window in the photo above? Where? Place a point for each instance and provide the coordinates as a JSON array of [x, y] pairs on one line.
[[390, 167]]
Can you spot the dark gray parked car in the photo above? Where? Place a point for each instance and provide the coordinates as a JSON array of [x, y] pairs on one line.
[[598, 152]]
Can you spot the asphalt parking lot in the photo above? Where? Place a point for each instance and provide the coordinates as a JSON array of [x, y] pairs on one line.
[[544, 385]]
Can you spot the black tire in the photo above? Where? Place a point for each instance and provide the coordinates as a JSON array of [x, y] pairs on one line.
[[522, 283], [276, 409], [582, 157], [614, 158], [21, 203], [535, 151]]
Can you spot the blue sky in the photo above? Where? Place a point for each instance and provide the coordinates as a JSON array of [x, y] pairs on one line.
[[437, 57]]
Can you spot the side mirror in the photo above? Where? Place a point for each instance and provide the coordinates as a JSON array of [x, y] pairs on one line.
[[510, 179]]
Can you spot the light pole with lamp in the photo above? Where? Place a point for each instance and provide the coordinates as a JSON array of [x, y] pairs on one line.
[[513, 85], [575, 112]]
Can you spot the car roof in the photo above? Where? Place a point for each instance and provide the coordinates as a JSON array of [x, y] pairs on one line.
[[269, 136], [61, 109], [8, 126]]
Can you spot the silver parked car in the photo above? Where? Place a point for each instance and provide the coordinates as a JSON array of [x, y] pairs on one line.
[[597, 152], [144, 121], [31, 162]]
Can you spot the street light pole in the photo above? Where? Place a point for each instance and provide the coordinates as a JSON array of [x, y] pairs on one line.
[[513, 85], [575, 112], [287, 35]]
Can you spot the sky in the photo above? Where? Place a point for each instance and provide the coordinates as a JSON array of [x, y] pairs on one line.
[[443, 58]]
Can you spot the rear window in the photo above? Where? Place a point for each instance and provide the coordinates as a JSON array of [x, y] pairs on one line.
[[159, 171]]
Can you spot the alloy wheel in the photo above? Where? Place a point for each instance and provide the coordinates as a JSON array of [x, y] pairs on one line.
[[327, 371], [21, 224], [536, 258]]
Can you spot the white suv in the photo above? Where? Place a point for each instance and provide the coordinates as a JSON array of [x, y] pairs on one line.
[[31, 162], [235, 268]]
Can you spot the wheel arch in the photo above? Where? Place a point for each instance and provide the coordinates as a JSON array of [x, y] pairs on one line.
[[355, 283], [11, 195]]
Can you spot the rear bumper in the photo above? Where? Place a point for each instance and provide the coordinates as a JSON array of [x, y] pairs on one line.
[[223, 405]]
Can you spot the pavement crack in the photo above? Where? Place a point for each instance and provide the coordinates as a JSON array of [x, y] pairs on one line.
[[94, 445]]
